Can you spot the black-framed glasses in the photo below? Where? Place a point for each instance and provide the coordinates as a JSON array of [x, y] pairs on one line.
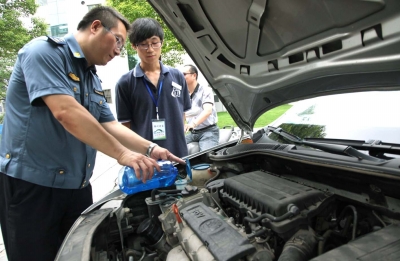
[[119, 44], [146, 46], [184, 74]]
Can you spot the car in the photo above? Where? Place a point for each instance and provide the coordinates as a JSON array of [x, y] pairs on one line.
[[320, 183]]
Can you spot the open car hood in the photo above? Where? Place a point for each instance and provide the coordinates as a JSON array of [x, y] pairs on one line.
[[259, 54]]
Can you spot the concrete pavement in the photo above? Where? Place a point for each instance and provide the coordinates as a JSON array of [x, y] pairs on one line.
[[103, 181], [105, 175], [3, 256]]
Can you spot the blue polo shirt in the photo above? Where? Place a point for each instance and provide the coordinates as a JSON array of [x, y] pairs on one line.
[[35, 147], [134, 104]]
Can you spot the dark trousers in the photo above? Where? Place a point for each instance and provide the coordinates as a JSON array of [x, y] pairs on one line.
[[35, 219]]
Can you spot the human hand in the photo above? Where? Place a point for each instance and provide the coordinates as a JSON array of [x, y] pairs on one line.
[[161, 153], [189, 127], [143, 166]]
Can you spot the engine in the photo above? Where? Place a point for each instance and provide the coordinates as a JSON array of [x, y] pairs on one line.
[[230, 212], [254, 215], [234, 219]]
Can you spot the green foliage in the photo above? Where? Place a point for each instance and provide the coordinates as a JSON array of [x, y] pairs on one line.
[[271, 115], [172, 50], [132, 61], [224, 119], [13, 34]]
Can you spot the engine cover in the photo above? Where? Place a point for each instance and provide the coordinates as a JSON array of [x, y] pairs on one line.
[[223, 241], [264, 193]]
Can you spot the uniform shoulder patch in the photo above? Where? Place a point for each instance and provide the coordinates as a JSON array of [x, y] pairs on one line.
[[74, 77], [56, 40]]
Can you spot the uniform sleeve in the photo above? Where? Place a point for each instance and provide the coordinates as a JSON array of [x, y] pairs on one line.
[[123, 100], [43, 67], [208, 96], [106, 114]]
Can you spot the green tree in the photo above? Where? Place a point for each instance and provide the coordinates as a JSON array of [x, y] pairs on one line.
[[14, 34], [172, 50], [132, 61]]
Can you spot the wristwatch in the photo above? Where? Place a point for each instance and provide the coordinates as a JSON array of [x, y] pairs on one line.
[[150, 149]]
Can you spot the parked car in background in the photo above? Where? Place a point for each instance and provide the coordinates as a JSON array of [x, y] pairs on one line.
[[320, 183]]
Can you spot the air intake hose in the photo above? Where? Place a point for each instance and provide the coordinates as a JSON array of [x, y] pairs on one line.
[[299, 247]]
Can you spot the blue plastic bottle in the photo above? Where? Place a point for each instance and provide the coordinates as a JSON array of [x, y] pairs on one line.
[[129, 184]]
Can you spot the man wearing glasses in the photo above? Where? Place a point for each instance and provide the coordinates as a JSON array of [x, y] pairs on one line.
[[202, 118], [151, 99], [57, 118]]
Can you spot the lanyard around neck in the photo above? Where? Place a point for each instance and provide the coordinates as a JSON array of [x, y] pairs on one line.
[[151, 95]]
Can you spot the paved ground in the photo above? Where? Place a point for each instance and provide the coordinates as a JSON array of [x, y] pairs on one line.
[[104, 177], [103, 181], [2, 250]]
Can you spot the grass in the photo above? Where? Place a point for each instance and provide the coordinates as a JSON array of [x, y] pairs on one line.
[[224, 119]]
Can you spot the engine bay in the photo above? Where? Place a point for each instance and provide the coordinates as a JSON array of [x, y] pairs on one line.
[[257, 207]]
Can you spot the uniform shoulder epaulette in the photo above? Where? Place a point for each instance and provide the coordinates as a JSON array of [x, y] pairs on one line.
[[56, 40]]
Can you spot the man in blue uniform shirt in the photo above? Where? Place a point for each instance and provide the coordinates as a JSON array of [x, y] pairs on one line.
[[56, 120], [151, 99]]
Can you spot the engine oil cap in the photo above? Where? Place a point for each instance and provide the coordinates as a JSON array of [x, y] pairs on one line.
[[188, 169]]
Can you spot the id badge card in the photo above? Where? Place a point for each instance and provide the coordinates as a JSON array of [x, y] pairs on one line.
[[159, 129]]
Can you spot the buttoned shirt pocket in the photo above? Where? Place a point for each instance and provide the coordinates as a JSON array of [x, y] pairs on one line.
[[96, 103]]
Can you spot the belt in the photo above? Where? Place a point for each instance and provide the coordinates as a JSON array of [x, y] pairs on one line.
[[202, 129]]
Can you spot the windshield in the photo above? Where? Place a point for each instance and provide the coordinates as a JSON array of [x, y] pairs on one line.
[[354, 116]]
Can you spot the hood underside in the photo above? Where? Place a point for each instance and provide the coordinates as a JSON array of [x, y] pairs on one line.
[[259, 54]]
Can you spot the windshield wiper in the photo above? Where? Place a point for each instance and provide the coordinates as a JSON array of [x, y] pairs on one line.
[[375, 147], [327, 147]]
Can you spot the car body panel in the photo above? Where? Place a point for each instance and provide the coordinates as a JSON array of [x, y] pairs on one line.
[[270, 53], [78, 241]]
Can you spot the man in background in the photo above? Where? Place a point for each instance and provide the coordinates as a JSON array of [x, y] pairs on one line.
[[151, 98], [202, 117]]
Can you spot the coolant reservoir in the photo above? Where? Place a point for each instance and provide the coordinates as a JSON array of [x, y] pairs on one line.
[[200, 174]]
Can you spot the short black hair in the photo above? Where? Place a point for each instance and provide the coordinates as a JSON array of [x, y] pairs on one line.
[[144, 28], [193, 69], [108, 16]]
